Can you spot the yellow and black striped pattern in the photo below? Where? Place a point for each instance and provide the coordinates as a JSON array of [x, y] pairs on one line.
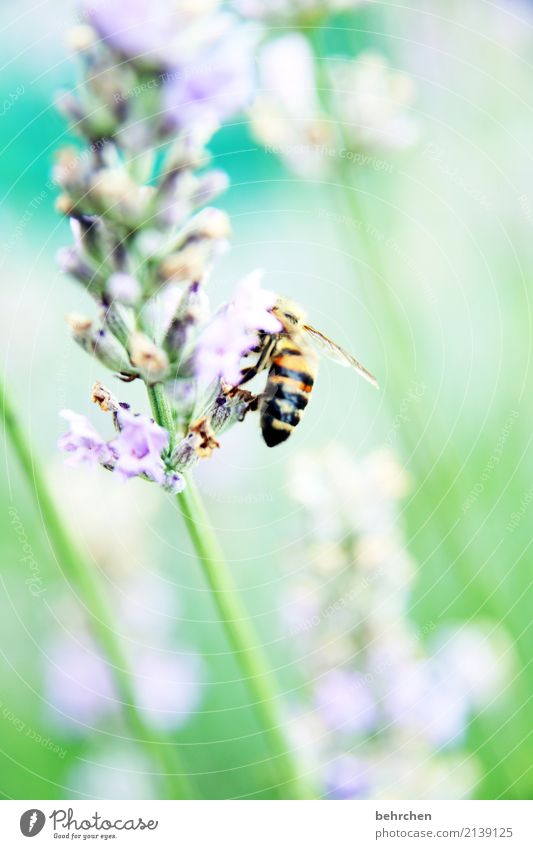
[[290, 380]]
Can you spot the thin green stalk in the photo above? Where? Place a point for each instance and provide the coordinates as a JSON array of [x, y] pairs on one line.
[[257, 675], [83, 575]]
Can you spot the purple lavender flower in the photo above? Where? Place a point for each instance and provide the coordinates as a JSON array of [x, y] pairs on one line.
[[220, 349], [143, 31], [213, 87], [347, 778], [80, 686], [345, 702], [79, 683], [234, 329], [139, 446], [253, 304], [206, 56], [83, 442]]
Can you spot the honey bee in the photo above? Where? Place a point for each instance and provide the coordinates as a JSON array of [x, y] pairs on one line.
[[291, 357]]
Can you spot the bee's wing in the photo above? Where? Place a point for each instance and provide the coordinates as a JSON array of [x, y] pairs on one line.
[[334, 352]]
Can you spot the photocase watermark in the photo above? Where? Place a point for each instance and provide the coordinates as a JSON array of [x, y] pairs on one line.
[[11, 99], [333, 607], [415, 393], [28, 731], [32, 822], [525, 206], [152, 83], [27, 216], [65, 824], [441, 158], [491, 463], [385, 241], [237, 497], [357, 157], [517, 516], [49, 188], [34, 582], [64, 819]]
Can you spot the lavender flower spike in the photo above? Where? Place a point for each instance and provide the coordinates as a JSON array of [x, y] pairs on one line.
[[83, 442], [139, 446], [234, 330]]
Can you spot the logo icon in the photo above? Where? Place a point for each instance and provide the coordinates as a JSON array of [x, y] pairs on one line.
[[32, 822]]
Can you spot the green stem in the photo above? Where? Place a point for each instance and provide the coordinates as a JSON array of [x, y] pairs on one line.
[[257, 675], [82, 573]]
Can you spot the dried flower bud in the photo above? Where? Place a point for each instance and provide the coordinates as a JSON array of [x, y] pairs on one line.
[[210, 223], [151, 360], [203, 438], [116, 195], [65, 205], [79, 324], [210, 186], [103, 397], [187, 264], [81, 38], [231, 406], [192, 311], [101, 344], [70, 108], [70, 170], [70, 262], [89, 235]]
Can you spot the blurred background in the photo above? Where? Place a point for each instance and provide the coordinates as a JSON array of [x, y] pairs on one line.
[[445, 225]]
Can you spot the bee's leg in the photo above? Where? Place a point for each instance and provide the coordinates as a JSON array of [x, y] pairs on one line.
[[247, 374], [245, 402]]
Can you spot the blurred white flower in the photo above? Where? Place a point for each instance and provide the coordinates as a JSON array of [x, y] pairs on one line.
[[168, 687], [423, 700], [361, 107], [373, 101], [285, 114], [393, 713], [480, 656]]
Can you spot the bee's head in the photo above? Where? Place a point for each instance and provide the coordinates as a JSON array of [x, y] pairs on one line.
[[290, 314]]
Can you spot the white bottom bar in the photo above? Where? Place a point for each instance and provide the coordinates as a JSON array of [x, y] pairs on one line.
[[264, 825]]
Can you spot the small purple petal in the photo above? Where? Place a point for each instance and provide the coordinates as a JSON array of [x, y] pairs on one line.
[[83, 442], [234, 329], [215, 85], [139, 446], [174, 482]]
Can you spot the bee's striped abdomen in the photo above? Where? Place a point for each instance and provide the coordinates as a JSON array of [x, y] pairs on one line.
[[290, 380]]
